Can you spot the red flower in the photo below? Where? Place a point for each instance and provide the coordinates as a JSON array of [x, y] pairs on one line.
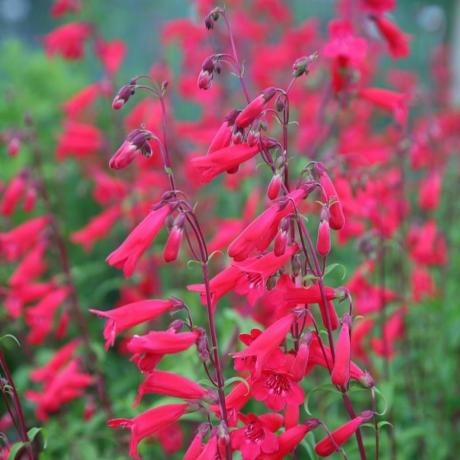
[[209, 166], [40, 317], [323, 242], [398, 42], [61, 7], [79, 139], [430, 191], [223, 136], [390, 101], [260, 232], [56, 363], [256, 436], [23, 237], [341, 371], [149, 349], [128, 316], [67, 385], [97, 228], [136, 142], [340, 436], [262, 347], [83, 99], [32, 266], [12, 194], [254, 108], [277, 385], [169, 384], [149, 423], [137, 242], [393, 329], [111, 54], [174, 241], [68, 40]]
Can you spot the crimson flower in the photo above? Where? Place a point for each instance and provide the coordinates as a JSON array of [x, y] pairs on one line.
[[149, 423], [128, 316], [137, 242], [68, 40]]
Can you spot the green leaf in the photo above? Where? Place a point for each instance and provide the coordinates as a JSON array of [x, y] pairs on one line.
[[237, 379], [11, 337], [15, 449], [330, 268]]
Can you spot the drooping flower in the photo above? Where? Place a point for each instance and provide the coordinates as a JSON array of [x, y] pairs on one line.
[[397, 41], [341, 371], [149, 349], [254, 108], [340, 436], [169, 384], [209, 166], [98, 227], [260, 232], [32, 266], [111, 54], [79, 139], [68, 384], [223, 136], [136, 142], [68, 40], [83, 99], [128, 316], [128, 253], [149, 423], [61, 7], [12, 194], [60, 358], [388, 100]]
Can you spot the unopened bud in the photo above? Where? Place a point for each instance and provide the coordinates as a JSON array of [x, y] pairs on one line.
[[302, 65], [123, 95], [274, 186]]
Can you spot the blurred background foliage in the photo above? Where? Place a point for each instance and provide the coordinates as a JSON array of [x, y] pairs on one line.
[[424, 391]]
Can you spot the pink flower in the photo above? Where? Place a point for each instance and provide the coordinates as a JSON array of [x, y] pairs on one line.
[[136, 142], [223, 136], [79, 139], [111, 54], [12, 194], [149, 423], [128, 316], [390, 101], [61, 7], [83, 99], [128, 253]]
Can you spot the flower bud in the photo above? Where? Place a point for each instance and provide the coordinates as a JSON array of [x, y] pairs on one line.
[[13, 147], [207, 73], [173, 243], [281, 239], [137, 141], [274, 186], [123, 95], [341, 371], [323, 242], [302, 65]]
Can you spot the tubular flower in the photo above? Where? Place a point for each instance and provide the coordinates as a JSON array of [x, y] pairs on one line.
[[79, 139], [209, 166], [111, 54], [32, 266], [341, 370], [260, 232], [40, 317], [340, 436], [68, 384], [83, 99], [388, 100], [169, 384], [68, 40], [149, 349], [12, 194], [98, 227], [136, 142], [61, 7], [137, 242], [254, 108], [128, 316], [223, 136], [149, 423], [397, 41], [174, 241], [63, 356], [266, 342]]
